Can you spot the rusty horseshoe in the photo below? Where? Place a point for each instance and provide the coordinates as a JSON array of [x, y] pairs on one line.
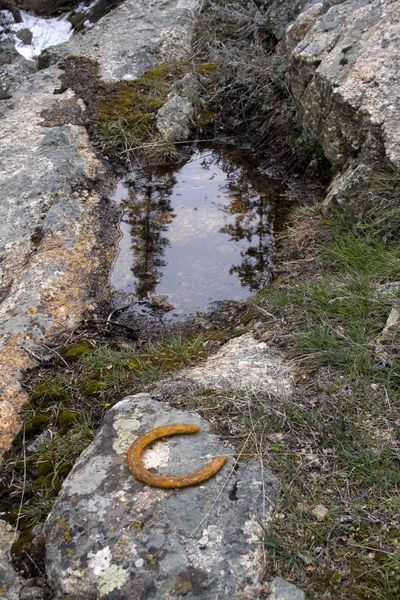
[[137, 468]]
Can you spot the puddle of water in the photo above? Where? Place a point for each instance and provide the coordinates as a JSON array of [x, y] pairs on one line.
[[198, 234]]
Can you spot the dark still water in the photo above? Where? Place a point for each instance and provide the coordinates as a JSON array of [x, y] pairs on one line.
[[197, 234]]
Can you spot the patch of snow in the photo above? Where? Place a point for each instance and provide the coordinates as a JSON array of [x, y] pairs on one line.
[[46, 32], [84, 8]]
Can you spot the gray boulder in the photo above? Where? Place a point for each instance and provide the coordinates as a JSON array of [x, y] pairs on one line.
[[110, 536], [25, 35], [344, 77]]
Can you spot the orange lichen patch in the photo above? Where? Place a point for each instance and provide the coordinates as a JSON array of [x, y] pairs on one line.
[[136, 467], [13, 397]]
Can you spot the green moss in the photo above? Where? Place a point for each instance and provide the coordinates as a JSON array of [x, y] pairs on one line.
[[44, 464], [43, 481], [204, 118], [76, 351], [23, 542], [37, 236], [37, 421], [127, 111], [49, 391], [122, 115], [67, 417], [93, 387], [207, 68]]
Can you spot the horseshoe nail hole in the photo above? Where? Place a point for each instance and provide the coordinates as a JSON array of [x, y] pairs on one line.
[[233, 493]]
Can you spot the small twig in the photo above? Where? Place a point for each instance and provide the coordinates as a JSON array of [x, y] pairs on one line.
[[57, 354], [371, 548], [34, 563], [35, 356], [15, 536], [264, 312], [222, 488], [112, 322], [387, 398], [117, 310]]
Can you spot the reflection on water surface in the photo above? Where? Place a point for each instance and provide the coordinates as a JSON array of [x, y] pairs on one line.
[[198, 234]]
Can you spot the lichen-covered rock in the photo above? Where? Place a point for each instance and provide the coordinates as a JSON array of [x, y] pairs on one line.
[[148, 32], [174, 118], [110, 536], [279, 13], [344, 69], [346, 188], [245, 363], [49, 233]]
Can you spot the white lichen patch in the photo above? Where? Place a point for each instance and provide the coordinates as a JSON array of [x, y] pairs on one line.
[[88, 479], [252, 530], [207, 551], [125, 428], [121, 496], [149, 496], [100, 505], [157, 456], [252, 560], [113, 578], [99, 561], [139, 563]]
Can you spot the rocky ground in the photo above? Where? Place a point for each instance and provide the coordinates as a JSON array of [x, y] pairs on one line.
[[257, 396]]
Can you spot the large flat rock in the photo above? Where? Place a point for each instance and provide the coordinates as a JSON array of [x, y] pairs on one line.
[[148, 32], [49, 233], [110, 536]]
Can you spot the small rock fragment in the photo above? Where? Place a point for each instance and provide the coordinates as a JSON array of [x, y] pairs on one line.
[[25, 35], [283, 590], [320, 512]]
